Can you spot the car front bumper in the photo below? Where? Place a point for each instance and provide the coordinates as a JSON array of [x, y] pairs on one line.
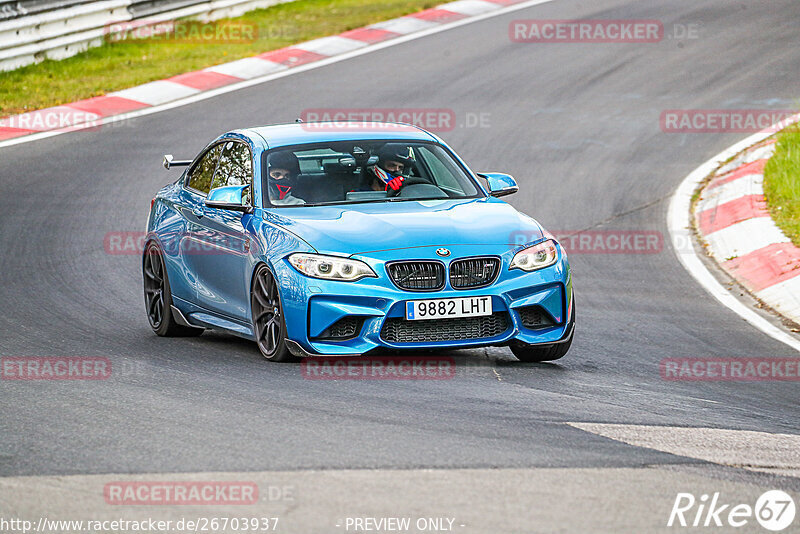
[[373, 311]]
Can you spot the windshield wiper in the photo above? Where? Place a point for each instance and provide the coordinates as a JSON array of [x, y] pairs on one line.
[[366, 201], [337, 203], [403, 199]]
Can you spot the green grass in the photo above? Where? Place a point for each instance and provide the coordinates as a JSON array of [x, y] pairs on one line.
[[782, 183], [118, 65]]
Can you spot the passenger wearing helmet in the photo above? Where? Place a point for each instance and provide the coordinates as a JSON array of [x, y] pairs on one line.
[[283, 169], [394, 162]]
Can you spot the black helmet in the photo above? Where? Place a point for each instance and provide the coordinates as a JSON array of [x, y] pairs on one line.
[[396, 152], [284, 159]]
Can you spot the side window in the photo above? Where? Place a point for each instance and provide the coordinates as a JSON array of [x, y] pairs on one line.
[[235, 167], [201, 174]]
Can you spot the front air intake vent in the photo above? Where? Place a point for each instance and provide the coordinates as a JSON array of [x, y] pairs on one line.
[[417, 275], [345, 328], [397, 330], [534, 317], [470, 273]]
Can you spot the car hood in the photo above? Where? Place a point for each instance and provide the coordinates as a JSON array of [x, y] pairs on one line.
[[371, 227]]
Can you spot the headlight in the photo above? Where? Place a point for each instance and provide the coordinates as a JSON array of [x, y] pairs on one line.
[[331, 267], [536, 257]]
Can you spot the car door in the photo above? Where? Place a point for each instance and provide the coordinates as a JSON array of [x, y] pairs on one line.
[[222, 260], [180, 245]]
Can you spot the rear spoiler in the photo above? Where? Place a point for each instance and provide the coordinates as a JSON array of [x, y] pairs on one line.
[[169, 161]]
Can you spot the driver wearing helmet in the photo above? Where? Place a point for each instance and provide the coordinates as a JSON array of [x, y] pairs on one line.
[[394, 162], [283, 169]]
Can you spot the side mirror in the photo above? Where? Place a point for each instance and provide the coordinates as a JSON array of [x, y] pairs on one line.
[[230, 197], [500, 184]]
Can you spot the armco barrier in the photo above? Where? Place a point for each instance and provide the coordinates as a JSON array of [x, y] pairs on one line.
[[22, 8], [29, 35]]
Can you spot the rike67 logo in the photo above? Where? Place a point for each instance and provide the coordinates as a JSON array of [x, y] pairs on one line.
[[774, 510]]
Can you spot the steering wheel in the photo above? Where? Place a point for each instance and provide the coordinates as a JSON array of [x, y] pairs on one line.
[[411, 180]]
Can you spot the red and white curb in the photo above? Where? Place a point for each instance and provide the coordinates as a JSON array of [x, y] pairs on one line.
[[93, 111], [738, 233], [732, 219]]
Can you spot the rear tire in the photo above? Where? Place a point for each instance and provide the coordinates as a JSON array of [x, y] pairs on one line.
[[158, 298], [543, 353]]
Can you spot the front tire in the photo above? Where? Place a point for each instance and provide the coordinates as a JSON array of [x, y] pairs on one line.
[[158, 297], [269, 325], [543, 353], [540, 353]]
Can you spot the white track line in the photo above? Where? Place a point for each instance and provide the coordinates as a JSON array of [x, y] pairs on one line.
[[262, 79], [678, 223], [756, 451]]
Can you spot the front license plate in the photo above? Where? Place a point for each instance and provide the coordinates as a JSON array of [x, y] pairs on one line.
[[419, 310]]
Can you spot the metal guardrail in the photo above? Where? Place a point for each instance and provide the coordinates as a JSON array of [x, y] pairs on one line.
[[146, 8], [11, 10], [34, 30]]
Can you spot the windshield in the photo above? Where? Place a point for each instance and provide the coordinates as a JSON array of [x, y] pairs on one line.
[[363, 171]]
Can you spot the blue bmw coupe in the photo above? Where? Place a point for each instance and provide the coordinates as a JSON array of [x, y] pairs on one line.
[[337, 239]]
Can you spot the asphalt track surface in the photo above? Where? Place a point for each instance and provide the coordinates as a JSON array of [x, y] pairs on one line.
[[576, 124]]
